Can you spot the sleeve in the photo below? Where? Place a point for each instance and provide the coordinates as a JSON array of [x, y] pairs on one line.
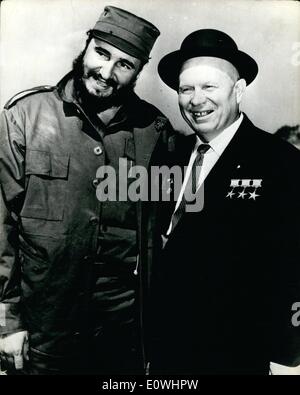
[[12, 148]]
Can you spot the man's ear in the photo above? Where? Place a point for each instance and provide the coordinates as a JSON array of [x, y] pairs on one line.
[[240, 87]]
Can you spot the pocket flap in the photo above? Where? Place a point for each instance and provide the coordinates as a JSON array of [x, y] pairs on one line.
[[46, 163], [59, 165]]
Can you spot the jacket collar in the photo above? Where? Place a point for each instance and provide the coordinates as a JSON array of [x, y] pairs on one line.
[[135, 115], [186, 144], [238, 152], [128, 113]]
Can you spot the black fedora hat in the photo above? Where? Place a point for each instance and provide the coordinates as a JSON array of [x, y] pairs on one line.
[[206, 42]]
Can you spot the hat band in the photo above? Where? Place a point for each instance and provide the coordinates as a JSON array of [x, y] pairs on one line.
[[229, 56]]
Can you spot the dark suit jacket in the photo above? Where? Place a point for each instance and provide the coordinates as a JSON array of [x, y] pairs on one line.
[[229, 274]]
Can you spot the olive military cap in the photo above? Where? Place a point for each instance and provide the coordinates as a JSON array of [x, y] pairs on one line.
[[126, 31]]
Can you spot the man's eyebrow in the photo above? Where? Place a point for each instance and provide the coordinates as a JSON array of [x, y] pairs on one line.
[[99, 48]]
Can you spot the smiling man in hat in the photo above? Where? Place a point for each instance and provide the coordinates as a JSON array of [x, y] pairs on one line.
[[229, 273], [74, 268]]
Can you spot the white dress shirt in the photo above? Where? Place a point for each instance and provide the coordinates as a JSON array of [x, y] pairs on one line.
[[217, 147]]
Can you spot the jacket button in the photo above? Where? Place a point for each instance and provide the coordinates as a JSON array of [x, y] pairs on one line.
[[103, 228], [96, 182], [94, 220], [98, 150]]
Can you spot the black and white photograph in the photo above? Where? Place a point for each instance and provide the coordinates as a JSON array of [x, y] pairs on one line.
[[149, 189]]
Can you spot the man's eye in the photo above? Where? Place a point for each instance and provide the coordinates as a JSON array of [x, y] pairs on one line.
[[185, 90], [209, 87], [102, 54], [124, 65]]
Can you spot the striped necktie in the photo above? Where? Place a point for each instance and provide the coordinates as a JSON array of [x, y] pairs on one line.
[[191, 185]]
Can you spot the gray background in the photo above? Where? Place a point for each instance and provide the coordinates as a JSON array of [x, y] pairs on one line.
[[40, 38]]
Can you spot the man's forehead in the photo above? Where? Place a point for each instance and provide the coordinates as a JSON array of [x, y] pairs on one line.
[[211, 62]]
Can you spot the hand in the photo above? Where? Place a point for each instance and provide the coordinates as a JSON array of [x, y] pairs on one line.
[[282, 370], [14, 347]]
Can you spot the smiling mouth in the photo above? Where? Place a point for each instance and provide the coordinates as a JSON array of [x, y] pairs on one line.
[[201, 114], [102, 83]]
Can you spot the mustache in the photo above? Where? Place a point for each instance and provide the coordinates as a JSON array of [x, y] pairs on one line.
[[98, 76]]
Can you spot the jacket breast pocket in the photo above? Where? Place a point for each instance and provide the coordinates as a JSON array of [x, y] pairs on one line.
[[46, 177]]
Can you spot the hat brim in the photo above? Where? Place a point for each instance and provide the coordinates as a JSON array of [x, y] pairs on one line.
[[170, 65]]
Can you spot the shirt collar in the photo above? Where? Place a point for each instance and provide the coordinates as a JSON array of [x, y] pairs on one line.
[[219, 143]]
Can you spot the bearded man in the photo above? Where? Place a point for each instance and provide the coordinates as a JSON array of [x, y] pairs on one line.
[[74, 267]]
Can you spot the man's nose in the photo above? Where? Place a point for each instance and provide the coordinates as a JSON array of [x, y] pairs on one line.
[[198, 97], [107, 70]]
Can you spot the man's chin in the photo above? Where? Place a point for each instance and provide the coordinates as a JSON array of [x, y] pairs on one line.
[[95, 98]]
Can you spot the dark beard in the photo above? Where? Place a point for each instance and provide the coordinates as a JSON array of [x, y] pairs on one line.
[[93, 103]]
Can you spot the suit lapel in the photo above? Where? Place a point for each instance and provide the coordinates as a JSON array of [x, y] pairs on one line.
[[144, 141], [235, 154], [184, 149]]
